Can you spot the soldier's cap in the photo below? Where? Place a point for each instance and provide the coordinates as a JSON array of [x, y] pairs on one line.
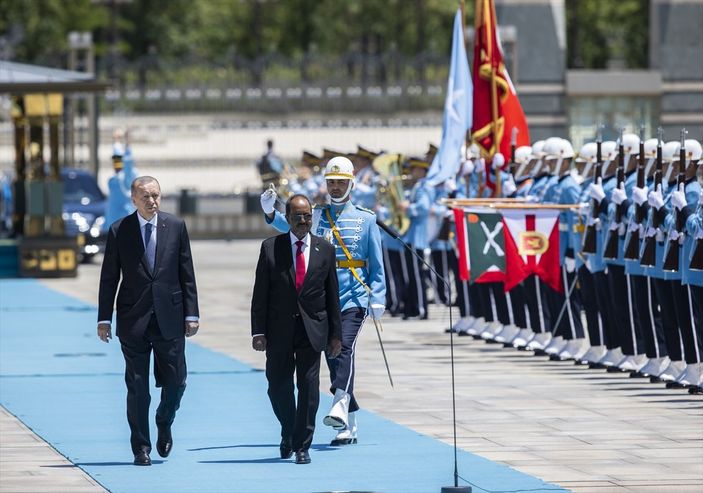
[[365, 153], [310, 159], [416, 162], [329, 154]]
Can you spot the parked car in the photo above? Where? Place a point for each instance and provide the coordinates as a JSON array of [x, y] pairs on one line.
[[84, 207]]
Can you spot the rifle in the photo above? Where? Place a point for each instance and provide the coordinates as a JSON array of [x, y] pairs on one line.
[[590, 236], [611, 243], [671, 257], [649, 249], [632, 246]]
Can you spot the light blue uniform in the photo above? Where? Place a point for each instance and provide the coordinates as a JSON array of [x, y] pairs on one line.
[[357, 227], [421, 198], [694, 230]]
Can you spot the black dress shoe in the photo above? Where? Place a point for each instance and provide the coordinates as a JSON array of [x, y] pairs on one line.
[[675, 385], [302, 457], [142, 458], [164, 443], [286, 449], [338, 442]]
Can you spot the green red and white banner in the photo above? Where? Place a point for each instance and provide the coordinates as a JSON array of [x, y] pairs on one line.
[[508, 246]]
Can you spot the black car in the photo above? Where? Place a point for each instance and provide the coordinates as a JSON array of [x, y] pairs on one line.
[[84, 206]]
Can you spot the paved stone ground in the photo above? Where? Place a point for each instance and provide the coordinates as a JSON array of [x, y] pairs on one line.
[[586, 430]]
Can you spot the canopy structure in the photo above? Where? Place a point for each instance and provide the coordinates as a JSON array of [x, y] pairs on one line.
[[21, 78]]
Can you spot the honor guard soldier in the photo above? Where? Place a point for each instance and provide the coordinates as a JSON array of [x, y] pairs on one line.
[[362, 290], [692, 278], [417, 208], [646, 303], [684, 200], [659, 200], [621, 288], [119, 198]]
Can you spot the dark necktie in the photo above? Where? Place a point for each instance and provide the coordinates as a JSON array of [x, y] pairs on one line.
[[149, 248], [299, 266]]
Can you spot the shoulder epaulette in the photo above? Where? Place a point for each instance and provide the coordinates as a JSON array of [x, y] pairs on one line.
[[364, 209], [320, 206]]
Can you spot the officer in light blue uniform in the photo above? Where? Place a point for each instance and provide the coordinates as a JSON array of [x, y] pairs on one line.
[[692, 279], [417, 208], [362, 288], [591, 273], [684, 200], [119, 199], [629, 334], [644, 301], [660, 204], [569, 337]]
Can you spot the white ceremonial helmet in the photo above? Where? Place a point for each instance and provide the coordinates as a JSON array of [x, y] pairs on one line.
[[650, 148], [587, 153], [551, 149], [631, 144], [670, 151], [523, 154], [537, 149], [608, 150], [693, 149], [564, 149], [340, 168]]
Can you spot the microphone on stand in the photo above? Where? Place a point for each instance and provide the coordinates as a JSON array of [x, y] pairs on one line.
[[395, 235]]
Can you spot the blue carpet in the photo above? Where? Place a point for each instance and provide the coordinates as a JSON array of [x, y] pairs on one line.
[[67, 386]]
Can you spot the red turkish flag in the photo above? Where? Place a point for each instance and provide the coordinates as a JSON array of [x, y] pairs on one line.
[[532, 247], [496, 110]]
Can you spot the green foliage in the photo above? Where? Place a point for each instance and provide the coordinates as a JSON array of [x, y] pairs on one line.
[[603, 32]]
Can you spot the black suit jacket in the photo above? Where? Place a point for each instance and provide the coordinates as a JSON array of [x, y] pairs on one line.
[[276, 304], [169, 292]]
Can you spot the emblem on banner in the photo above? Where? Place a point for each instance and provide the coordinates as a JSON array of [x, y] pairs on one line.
[[532, 243]]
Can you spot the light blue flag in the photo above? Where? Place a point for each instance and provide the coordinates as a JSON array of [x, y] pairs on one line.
[[458, 110]]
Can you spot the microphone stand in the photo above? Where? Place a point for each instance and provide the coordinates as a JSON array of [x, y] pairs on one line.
[[394, 234]]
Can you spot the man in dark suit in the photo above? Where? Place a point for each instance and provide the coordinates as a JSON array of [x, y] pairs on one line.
[[157, 307], [295, 314]]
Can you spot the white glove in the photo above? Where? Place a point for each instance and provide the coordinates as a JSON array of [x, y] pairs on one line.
[[619, 196], [509, 187], [268, 199], [639, 195], [656, 199], [450, 185], [467, 168], [700, 198], [596, 192], [480, 166], [377, 311], [570, 264], [678, 200], [498, 160]]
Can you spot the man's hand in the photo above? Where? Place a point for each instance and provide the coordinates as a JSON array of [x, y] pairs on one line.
[[656, 198], [104, 332], [334, 348], [619, 196], [377, 310], [404, 205], [259, 343], [596, 192], [509, 187], [639, 195], [678, 200], [268, 199], [192, 328]]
